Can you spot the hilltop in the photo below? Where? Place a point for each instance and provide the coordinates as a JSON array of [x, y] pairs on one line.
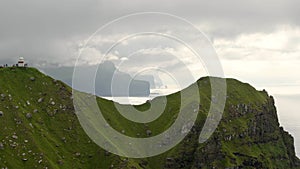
[[39, 129]]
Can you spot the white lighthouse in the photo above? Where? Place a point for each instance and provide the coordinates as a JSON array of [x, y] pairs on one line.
[[21, 62]]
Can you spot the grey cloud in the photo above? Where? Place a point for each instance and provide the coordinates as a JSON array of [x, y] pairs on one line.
[[230, 17], [42, 31]]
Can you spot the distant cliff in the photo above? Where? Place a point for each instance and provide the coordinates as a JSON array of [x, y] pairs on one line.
[[111, 82], [106, 73], [39, 129]]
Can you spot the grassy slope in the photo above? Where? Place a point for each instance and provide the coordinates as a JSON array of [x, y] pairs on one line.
[[54, 134]]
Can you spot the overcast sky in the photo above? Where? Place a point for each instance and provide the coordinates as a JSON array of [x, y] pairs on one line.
[[257, 41]]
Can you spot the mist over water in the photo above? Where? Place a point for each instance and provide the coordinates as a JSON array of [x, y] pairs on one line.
[[140, 100], [288, 107]]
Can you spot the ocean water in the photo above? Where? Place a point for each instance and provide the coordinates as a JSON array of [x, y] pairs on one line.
[[141, 100], [294, 131], [129, 100], [288, 110]]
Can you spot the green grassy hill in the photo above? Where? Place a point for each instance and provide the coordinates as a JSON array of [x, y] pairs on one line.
[[39, 129]]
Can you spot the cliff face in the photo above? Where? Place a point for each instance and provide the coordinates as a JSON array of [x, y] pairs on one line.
[[38, 129], [248, 136], [109, 81], [120, 85]]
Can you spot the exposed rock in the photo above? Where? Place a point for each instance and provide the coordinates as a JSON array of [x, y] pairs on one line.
[[52, 103], [77, 154], [148, 132], [14, 145], [186, 128], [170, 159], [14, 136], [60, 162], [1, 146], [2, 97], [40, 100], [64, 139], [143, 163], [32, 78], [106, 153], [28, 115]]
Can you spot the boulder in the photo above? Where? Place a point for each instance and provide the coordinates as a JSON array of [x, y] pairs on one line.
[[14, 136], [2, 97], [77, 154], [32, 78], [1, 113], [40, 100], [64, 139], [28, 115], [1, 146], [148, 132], [60, 162]]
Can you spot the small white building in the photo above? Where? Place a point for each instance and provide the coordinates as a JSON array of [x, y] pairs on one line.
[[21, 62]]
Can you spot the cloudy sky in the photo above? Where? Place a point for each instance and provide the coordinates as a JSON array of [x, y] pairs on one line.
[[256, 41]]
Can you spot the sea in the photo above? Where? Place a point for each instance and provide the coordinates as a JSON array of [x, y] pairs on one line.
[[288, 110], [140, 100]]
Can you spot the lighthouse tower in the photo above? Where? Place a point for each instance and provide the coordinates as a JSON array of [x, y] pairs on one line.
[[21, 62]]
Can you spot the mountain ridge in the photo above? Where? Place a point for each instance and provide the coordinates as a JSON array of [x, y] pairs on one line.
[[39, 129]]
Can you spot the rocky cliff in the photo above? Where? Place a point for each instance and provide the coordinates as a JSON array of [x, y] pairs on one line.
[[109, 81]]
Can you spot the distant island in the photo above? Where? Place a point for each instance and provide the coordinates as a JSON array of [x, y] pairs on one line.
[[109, 80]]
